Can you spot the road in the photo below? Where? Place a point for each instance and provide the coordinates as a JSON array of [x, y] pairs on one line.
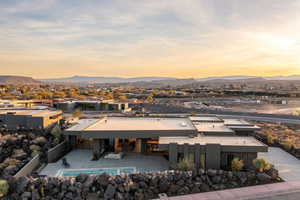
[[266, 119]]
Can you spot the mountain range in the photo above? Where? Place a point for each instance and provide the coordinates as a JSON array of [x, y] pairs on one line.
[[157, 80], [95, 79], [89, 79], [18, 80]]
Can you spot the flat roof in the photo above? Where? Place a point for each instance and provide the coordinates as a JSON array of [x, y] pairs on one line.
[[140, 123], [203, 140], [212, 127], [236, 122], [37, 113], [205, 119], [82, 124]]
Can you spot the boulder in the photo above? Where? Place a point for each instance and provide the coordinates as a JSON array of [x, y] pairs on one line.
[[163, 185], [40, 141], [26, 195], [103, 179], [81, 178], [110, 192], [273, 173], [119, 196], [264, 178], [204, 188], [35, 147], [211, 172], [19, 154], [173, 189], [216, 179]]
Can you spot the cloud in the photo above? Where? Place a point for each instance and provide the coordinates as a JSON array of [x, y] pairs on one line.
[[149, 35]]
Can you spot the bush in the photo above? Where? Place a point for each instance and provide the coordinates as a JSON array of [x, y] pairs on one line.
[[57, 133], [237, 164], [261, 164], [76, 113], [4, 187], [270, 139], [186, 164], [288, 144]]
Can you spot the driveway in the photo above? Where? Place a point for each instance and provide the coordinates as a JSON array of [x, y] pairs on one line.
[[288, 165]]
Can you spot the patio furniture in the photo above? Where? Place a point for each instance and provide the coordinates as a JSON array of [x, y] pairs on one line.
[[65, 163], [116, 156]]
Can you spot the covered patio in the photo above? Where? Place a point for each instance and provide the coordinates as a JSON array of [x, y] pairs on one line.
[[81, 159]]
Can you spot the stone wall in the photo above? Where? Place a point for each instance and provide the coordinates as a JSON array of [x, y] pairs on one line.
[[57, 152], [133, 186]]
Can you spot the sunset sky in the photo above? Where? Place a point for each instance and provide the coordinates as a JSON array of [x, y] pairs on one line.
[[182, 38]]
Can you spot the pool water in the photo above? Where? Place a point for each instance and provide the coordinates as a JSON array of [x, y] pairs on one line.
[[109, 171]]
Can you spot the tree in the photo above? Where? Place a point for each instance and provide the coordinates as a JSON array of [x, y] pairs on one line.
[[237, 164], [57, 134], [76, 113]]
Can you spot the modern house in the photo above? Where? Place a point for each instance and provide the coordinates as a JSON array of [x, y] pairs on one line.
[[212, 142], [103, 106], [29, 119]]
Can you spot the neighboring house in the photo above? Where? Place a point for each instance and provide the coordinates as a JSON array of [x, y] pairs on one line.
[[211, 141], [105, 106], [29, 119]]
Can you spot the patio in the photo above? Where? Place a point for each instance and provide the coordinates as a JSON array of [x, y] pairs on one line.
[[81, 159]]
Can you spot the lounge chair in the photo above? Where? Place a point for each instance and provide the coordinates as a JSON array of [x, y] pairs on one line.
[[65, 163]]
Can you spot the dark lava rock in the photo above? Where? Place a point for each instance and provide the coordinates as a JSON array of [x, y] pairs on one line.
[[22, 184], [81, 178], [264, 178], [204, 187], [110, 192], [211, 172]]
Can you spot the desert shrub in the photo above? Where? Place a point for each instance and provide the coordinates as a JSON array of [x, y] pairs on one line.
[[237, 164], [186, 164], [288, 144], [193, 113], [261, 164], [76, 113], [270, 139], [3, 188]]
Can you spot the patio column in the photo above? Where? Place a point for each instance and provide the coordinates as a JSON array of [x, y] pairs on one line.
[[96, 148], [186, 150], [213, 156], [173, 154], [197, 156], [72, 141]]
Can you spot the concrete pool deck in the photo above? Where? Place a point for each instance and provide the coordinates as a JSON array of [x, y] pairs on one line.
[[81, 159], [287, 165]]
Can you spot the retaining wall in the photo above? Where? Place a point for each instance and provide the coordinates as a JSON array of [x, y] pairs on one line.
[[29, 167]]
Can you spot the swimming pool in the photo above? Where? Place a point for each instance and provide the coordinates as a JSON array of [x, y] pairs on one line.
[[110, 171]]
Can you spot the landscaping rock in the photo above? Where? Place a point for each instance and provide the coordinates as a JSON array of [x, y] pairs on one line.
[[110, 192], [264, 178], [273, 173]]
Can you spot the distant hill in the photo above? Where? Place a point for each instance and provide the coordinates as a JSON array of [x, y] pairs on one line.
[[284, 78], [93, 79], [248, 79], [161, 81], [226, 78], [18, 80]]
